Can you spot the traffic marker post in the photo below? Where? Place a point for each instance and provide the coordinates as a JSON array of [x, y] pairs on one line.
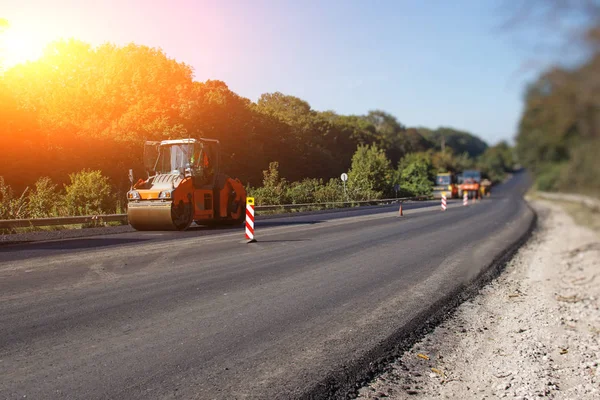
[[444, 201], [465, 199], [250, 220]]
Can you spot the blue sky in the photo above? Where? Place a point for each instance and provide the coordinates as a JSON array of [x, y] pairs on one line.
[[430, 63]]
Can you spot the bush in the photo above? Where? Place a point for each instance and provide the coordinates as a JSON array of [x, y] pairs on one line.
[[274, 189], [548, 177], [333, 191], [370, 175], [44, 200], [416, 175], [6, 196], [582, 172], [10, 206], [88, 193], [304, 191]]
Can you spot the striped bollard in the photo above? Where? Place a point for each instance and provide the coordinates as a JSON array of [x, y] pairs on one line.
[[465, 199], [444, 201], [250, 220]]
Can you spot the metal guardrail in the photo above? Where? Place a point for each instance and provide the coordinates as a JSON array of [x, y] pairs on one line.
[[6, 224], [336, 203], [87, 219]]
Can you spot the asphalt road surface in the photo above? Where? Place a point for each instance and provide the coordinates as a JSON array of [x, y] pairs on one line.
[[202, 314]]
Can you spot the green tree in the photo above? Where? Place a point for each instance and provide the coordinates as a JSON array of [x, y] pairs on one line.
[[371, 173], [459, 141], [496, 161], [416, 175], [390, 134]]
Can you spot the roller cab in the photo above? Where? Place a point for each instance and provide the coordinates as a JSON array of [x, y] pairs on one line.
[[445, 182], [470, 183], [184, 185]]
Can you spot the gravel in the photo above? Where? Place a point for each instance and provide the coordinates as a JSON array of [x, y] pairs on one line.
[[532, 333]]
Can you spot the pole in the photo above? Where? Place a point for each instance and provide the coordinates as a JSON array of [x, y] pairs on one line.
[[250, 220]]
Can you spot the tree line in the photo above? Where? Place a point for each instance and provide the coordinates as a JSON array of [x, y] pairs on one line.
[[559, 131], [85, 110], [558, 137]]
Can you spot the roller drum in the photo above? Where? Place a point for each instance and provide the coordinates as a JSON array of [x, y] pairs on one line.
[[151, 216]]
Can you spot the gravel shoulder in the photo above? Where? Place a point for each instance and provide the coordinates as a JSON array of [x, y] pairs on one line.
[[533, 332]]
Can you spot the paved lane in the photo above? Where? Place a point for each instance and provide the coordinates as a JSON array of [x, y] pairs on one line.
[[200, 315]]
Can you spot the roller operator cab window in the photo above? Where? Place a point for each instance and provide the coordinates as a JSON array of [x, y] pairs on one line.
[[174, 158], [474, 176], [442, 180]]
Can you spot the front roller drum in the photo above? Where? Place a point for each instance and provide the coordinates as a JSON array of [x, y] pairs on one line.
[[158, 216]]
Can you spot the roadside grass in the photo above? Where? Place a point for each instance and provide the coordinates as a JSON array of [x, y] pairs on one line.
[[582, 215]]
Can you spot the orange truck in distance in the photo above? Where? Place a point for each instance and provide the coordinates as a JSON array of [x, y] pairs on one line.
[[470, 182]]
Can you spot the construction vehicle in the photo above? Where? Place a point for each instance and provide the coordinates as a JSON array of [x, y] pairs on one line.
[[445, 182], [185, 184], [470, 182], [486, 188]]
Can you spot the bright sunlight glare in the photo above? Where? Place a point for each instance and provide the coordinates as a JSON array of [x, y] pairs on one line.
[[20, 43]]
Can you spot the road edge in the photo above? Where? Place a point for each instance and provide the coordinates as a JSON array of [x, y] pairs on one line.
[[346, 382]]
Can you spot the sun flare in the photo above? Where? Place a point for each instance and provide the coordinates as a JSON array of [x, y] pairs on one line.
[[18, 44]]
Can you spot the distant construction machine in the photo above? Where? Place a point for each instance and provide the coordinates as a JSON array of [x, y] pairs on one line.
[[445, 182], [185, 184], [470, 182], [486, 188]]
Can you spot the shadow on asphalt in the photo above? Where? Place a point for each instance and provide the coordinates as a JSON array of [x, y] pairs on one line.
[[72, 244], [286, 223], [282, 240], [264, 223]]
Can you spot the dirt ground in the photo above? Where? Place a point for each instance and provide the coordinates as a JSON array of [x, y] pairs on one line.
[[532, 333]]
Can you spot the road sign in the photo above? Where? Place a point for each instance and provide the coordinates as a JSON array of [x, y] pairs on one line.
[[344, 177], [396, 187]]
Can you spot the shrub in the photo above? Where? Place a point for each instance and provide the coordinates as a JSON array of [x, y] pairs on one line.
[[333, 191], [88, 193], [582, 173], [304, 191], [44, 199], [12, 207], [370, 175], [548, 177], [274, 189], [415, 172]]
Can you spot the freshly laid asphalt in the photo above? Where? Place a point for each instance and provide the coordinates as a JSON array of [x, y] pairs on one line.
[[202, 314]]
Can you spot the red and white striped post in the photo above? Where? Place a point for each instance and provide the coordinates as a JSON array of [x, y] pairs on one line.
[[466, 199], [443, 201], [250, 220]]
